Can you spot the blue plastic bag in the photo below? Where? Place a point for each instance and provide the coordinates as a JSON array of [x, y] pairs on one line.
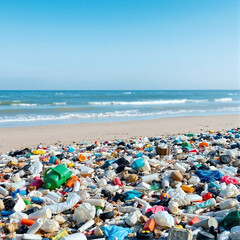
[[131, 195], [208, 175], [114, 231]]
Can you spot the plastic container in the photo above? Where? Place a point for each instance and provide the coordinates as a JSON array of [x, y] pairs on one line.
[[209, 203], [37, 182], [87, 225], [187, 189], [150, 178], [150, 225], [137, 164], [75, 236], [28, 222], [55, 177], [180, 168], [96, 202], [35, 227], [3, 191], [84, 212], [43, 213]]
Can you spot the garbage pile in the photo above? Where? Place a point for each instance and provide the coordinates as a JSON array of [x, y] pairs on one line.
[[167, 187]]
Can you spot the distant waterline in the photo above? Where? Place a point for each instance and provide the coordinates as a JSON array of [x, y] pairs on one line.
[[27, 108]]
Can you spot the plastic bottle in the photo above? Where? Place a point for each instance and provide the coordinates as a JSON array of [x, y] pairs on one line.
[[96, 202], [150, 177], [179, 167], [36, 226], [173, 207], [207, 196], [224, 236], [209, 203], [230, 203], [87, 225], [72, 200], [187, 189], [43, 213], [194, 197], [3, 191]]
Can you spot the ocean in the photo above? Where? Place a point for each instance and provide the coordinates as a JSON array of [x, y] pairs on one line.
[[31, 108]]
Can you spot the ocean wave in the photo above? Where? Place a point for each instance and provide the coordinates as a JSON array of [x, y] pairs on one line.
[[59, 103], [6, 103], [153, 102], [60, 93], [115, 114], [127, 93], [222, 99], [24, 104]]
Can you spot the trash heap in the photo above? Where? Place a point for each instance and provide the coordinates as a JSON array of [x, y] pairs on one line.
[[168, 187]]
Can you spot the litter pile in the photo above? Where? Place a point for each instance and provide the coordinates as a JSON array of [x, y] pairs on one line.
[[167, 187]]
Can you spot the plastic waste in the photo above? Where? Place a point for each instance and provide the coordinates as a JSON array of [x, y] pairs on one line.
[[55, 177], [84, 212], [116, 232]]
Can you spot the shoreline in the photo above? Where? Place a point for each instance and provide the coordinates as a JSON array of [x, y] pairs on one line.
[[21, 137]]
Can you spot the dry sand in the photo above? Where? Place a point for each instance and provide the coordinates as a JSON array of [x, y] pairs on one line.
[[21, 137]]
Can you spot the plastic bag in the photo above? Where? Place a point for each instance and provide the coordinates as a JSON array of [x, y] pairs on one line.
[[164, 219], [72, 200], [132, 194], [228, 180], [208, 176], [231, 220], [114, 231], [50, 225], [36, 168]]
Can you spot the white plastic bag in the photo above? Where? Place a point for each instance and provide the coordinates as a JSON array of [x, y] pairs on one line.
[[163, 219]]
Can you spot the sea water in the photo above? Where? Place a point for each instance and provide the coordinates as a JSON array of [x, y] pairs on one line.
[[28, 108]]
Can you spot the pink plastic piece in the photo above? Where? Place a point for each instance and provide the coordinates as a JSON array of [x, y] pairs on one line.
[[118, 182], [155, 209], [228, 180]]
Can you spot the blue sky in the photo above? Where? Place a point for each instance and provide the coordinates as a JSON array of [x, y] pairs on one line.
[[119, 44]]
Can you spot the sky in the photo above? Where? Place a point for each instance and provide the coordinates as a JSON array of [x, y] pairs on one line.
[[119, 44]]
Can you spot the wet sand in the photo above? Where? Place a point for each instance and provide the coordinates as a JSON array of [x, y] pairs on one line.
[[21, 137]]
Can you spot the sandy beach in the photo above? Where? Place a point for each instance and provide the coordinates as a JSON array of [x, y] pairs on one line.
[[21, 137]]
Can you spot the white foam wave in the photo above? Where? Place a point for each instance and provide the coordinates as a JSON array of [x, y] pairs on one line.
[[59, 103], [127, 93], [154, 102], [60, 93], [222, 99], [115, 114], [24, 104]]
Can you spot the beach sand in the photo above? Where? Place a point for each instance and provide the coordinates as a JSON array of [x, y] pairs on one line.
[[21, 137]]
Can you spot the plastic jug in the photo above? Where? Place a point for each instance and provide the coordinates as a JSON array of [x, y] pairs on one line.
[[55, 177]]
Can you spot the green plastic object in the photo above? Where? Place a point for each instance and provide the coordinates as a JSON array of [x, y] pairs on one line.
[[55, 177], [186, 144], [155, 186], [190, 135], [231, 220]]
